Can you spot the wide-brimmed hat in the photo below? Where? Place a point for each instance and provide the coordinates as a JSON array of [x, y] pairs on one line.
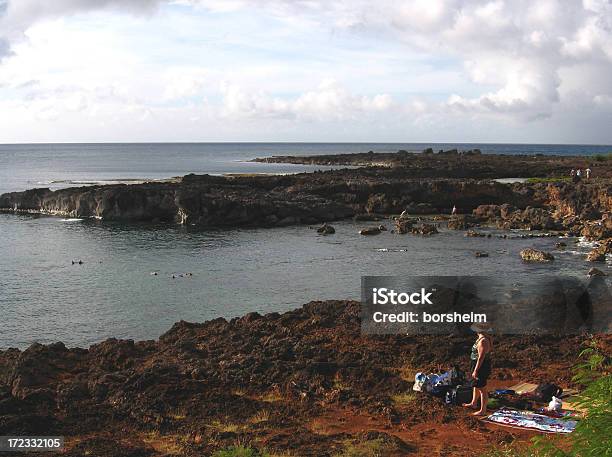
[[481, 327]]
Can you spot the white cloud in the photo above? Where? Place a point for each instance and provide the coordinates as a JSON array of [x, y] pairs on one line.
[[185, 82], [328, 101], [417, 64]]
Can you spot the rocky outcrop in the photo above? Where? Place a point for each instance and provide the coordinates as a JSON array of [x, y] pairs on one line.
[[453, 163], [310, 198], [370, 231], [596, 272], [598, 230], [403, 225], [598, 254], [475, 234], [326, 229], [197, 200], [424, 229], [535, 255], [461, 222]]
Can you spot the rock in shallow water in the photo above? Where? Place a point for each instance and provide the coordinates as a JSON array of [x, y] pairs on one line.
[[425, 229], [535, 255], [596, 272], [370, 231], [326, 229]]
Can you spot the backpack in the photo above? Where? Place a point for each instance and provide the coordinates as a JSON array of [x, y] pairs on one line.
[[452, 377], [545, 392], [459, 395]]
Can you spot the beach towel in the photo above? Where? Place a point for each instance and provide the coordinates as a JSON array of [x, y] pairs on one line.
[[531, 421], [524, 388]]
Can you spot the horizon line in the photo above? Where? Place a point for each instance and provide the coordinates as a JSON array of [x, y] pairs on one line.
[[299, 142]]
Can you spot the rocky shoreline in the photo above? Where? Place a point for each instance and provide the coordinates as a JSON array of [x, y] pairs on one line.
[[304, 383], [416, 183]]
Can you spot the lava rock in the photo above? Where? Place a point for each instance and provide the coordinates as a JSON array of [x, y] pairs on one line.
[[535, 255], [326, 229], [370, 231], [596, 272]]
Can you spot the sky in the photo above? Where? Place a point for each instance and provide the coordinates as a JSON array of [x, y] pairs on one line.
[[293, 70]]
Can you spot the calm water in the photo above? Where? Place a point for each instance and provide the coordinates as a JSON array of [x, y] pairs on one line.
[[61, 165], [43, 297]]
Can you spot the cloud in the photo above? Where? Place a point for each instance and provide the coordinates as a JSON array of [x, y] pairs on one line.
[[420, 63], [329, 101], [16, 16], [185, 82]]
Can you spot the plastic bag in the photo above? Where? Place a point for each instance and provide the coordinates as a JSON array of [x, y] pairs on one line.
[[555, 404]]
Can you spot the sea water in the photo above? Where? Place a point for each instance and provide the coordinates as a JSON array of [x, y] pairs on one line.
[[136, 280]]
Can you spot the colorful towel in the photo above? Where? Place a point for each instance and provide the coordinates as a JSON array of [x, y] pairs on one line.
[[531, 421]]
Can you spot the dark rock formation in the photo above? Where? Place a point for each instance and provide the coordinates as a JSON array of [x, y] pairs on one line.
[[596, 272], [474, 234], [424, 229], [461, 222], [370, 231], [452, 163], [598, 254], [367, 193], [403, 225], [326, 229]]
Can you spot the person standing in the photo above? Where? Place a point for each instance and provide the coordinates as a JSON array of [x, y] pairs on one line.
[[572, 173], [588, 173], [480, 367], [454, 211], [579, 173]]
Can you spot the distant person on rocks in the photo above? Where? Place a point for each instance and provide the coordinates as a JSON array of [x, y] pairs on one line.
[[480, 367], [573, 173], [579, 173], [454, 211], [588, 173]]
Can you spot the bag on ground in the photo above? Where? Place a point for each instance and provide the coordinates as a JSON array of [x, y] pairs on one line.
[[545, 392], [459, 395]]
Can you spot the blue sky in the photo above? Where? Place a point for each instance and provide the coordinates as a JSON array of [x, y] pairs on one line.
[[275, 70]]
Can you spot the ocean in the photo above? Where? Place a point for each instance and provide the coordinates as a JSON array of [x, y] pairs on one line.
[[137, 280], [26, 166]]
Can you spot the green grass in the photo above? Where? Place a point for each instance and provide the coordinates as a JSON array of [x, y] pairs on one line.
[[603, 157], [404, 398], [245, 451], [549, 179], [371, 448], [240, 451]]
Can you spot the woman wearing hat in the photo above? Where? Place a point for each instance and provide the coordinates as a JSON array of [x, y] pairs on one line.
[[480, 367]]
